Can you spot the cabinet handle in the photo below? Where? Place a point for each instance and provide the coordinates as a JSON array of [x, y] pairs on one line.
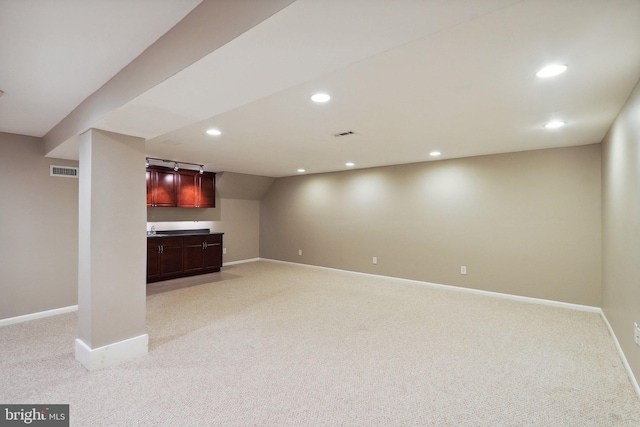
[[215, 244], [206, 245]]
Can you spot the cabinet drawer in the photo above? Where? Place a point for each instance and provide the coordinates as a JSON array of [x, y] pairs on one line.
[[165, 241], [198, 240], [214, 238]]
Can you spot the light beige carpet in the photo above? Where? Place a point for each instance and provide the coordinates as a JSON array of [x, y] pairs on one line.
[[269, 344]]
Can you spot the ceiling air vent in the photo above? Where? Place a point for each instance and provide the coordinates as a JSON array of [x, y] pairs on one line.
[[63, 171], [341, 134]]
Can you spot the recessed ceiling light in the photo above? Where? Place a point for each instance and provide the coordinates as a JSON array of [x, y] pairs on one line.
[[435, 153], [551, 70], [320, 97], [214, 132], [350, 164], [555, 124], [301, 170]]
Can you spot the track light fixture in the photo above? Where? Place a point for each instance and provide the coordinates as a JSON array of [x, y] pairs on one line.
[[175, 163]]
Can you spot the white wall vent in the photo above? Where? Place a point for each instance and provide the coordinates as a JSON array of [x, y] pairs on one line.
[[63, 171]]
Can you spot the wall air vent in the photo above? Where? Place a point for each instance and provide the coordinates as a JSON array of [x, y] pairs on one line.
[[63, 171], [341, 134]]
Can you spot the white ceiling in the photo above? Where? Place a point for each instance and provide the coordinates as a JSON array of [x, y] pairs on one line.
[[55, 53], [407, 77]]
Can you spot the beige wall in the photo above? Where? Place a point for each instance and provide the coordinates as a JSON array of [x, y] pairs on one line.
[[231, 185], [38, 230], [523, 223], [240, 222], [621, 227]]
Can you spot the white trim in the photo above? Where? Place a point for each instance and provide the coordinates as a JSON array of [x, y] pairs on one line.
[[242, 261], [111, 354], [532, 300], [38, 315], [627, 367]]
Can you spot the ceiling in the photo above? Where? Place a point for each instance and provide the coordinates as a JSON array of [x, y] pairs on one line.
[[407, 77], [54, 54]]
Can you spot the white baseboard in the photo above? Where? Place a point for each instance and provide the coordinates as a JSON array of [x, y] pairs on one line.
[[627, 367], [242, 261], [38, 315], [532, 300], [109, 355]]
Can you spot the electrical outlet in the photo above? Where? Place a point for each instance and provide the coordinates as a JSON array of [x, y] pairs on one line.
[[375, 259], [224, 251], [463, 269], [300, 252], [636, 333]]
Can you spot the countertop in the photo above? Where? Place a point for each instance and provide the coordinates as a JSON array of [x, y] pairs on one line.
[[177, 233]]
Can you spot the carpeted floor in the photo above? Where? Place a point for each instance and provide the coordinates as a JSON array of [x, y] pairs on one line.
[[270, 344]]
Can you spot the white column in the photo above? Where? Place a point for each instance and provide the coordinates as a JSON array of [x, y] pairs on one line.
[[112, 249]]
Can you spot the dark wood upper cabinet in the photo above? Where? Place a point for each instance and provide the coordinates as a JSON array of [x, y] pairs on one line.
[[196, 190], [184, 188], [161, 187], [187, 194], [207, 190]]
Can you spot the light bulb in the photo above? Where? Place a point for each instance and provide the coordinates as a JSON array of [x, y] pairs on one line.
[[320, 97], [551, 70], [555, 124]]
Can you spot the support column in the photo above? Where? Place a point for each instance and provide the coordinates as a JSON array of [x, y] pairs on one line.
[[112, 249]]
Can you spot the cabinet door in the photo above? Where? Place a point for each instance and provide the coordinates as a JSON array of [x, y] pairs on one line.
[[149, 189], [193, 249], [187, 189], [207, 186], [164, 187], [161, 187], [153, 258], [171, 256], [213, 252]]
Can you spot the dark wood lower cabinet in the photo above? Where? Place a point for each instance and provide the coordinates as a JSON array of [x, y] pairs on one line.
[[164, 257], [212, 254], [192, 259], [202, 253], [153, 259], [171, 257]]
